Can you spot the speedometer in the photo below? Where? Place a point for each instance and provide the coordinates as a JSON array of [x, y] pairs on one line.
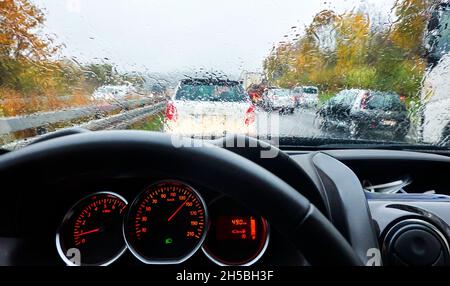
[[166, 224]]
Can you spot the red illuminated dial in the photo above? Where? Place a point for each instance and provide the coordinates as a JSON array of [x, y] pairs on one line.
[[166, 223], [91, 232]]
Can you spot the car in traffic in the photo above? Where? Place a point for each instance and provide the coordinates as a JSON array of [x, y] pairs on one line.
[[297, 93], [310, 96], [210, 107], [366, 113], [306, 96], [113, 92], [255, 92], [280, 99]]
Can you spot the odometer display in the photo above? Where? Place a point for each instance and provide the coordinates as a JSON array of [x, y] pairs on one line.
[[237, 236], [166, 223]]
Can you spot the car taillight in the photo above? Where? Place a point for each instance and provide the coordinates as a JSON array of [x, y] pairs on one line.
[[363, 104], [250, 115], [171, 112]]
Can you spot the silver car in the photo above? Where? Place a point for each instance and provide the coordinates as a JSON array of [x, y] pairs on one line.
[[309, 96], [279, 99]]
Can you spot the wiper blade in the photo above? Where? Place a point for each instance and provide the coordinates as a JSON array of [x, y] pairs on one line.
[[336, 143], [392, 146]]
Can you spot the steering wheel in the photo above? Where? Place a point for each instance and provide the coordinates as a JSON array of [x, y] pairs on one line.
[[125, 152]]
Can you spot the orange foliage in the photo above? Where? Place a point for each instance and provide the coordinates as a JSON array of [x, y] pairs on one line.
[[352, 43], [13, 103], [19, 19], [412, 19]]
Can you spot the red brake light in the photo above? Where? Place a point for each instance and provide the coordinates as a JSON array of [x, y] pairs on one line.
[[171, 112], [250, 115], [364, 101]]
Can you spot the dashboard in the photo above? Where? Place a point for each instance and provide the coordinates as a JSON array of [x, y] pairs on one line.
[[156, 216], [112, 221], [412, 223]]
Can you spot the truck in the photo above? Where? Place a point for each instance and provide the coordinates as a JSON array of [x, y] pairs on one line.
[[252, 78]]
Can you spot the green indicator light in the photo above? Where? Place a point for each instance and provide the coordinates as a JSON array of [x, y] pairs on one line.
[[168, 240]]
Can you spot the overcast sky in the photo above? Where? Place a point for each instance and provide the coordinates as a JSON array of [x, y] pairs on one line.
[[180, 35]]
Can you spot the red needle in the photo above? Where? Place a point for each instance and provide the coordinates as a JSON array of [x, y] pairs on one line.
[[177, 210], [88, 232]]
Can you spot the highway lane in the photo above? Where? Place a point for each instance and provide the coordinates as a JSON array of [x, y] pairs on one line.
[[299, 124], [302, 123]]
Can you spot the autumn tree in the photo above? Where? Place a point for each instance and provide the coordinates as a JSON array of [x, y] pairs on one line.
[[352, 41], [409, 28], [22, 50], [350, 51], [19, 22], [31, 79], [303, 61], [279, 61], [315, 50]]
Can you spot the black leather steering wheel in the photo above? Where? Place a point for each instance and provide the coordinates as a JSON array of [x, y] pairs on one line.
[[125, 152]]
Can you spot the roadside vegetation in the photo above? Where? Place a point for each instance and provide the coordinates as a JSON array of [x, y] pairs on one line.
[[33, 75], [152, 123], [356, 50]]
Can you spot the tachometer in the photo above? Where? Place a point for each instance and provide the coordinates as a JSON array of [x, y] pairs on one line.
[[166, 223], [91, 232]]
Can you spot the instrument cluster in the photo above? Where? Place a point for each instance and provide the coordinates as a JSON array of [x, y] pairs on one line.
[[166, 223]]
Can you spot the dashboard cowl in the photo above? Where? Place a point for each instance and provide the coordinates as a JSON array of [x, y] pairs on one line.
[[348, 204]]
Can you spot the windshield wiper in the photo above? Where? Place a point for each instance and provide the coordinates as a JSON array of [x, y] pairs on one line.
[[298, 143]]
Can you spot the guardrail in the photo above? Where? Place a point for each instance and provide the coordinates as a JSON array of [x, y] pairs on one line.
[[125, 119], [20, 123], [118, 121]]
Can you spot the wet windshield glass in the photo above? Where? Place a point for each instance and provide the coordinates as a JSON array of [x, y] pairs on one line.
[[295, 72]]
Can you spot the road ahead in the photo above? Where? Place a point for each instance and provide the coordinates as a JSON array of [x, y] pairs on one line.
[[302, 124], [299, 124]]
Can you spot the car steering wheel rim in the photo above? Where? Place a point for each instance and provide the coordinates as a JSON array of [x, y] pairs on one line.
[[224, 171]]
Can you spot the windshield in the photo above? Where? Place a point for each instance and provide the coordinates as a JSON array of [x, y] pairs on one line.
[[293, 73]]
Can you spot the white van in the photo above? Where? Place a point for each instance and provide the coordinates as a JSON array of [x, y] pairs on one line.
[[435, 94], [436, 103]]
